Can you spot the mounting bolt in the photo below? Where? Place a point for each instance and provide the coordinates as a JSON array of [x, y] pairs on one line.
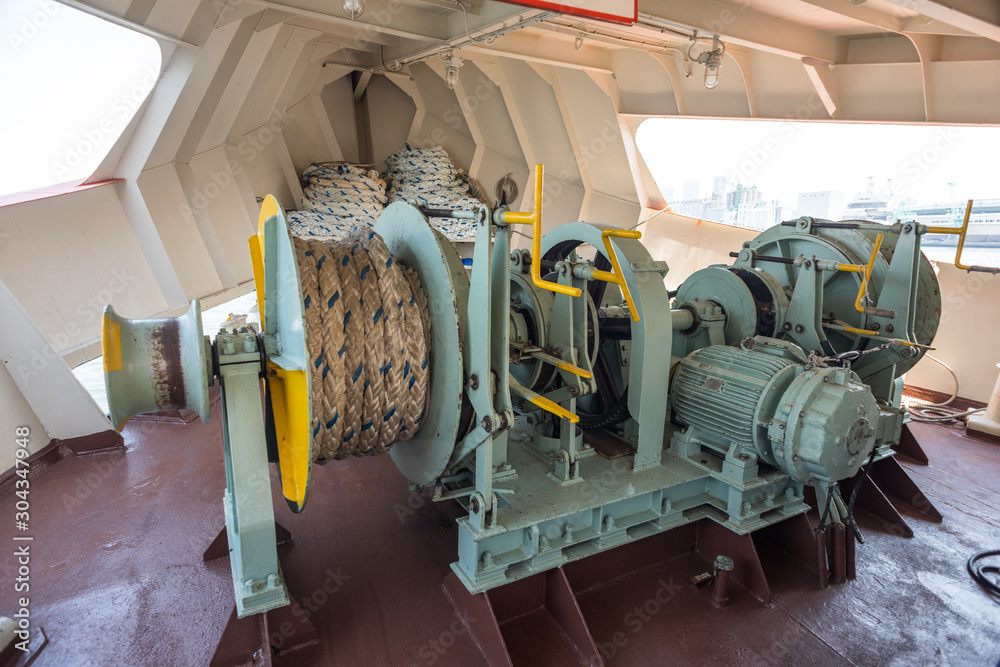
[[543, 542], [787, 326], [249, 344], [889, 328], [487, 424], [609, 522], [474, 504], [474, 381], [667, 505], [769, 500], [722, 566], [746, 507], [789, 492], [487, 558], [568, 532], [574, 390], [799, 328]]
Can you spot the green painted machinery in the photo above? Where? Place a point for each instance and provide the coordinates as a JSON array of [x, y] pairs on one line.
[[572, 406]]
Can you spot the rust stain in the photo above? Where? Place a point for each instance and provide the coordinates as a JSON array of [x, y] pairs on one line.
[[167, 371]]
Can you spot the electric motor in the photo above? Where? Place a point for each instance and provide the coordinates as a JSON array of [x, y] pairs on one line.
[[765, 397]]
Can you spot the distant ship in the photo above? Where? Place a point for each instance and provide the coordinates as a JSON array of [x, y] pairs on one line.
[[984, 223], [869, 206]]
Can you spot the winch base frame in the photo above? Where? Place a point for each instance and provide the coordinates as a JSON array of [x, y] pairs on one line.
[[613, 505]]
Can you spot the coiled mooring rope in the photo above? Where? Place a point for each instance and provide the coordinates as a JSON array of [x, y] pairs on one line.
[[367, 337], [338, 197], [428, 177]]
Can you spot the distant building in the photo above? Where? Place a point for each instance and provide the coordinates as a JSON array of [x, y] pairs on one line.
[[668, 195], [828, 204], [695, 209], [741, 195], [759, 214], [719, 188]]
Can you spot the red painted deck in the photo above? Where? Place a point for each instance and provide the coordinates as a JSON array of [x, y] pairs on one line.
[[117, 576]]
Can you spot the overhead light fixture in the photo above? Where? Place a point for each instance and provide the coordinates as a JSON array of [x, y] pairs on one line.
[[451, 65], [712, 60], [353, 8]]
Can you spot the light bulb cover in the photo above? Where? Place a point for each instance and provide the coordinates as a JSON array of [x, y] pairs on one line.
[[711, 75], [353, 8], [451, 71]]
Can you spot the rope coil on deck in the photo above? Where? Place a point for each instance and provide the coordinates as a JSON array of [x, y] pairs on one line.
[[368, 339]]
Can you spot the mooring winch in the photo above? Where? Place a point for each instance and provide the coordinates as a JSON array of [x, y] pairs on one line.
[[503, 389]]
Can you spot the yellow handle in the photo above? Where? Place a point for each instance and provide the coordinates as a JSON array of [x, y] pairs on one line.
[[616, 276], [575, 370], [535, 220], [555, 408], [542, 402], [961, 231], [867, 274]]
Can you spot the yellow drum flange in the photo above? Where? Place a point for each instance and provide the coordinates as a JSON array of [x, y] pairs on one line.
[[279, 298]]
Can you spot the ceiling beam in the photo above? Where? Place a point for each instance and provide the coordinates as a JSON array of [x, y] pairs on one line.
[[543, 50], [743, 27], [398, 20], [979, 18], [863, 13], [825, 84]]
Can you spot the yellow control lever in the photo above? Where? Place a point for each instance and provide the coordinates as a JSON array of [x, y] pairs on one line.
[[541, 401], [535, 220], [615, 275], [562, 365], [863, 289], [962, 231]]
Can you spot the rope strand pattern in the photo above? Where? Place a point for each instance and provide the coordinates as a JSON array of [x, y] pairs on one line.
[[429, 177], [368, 338]]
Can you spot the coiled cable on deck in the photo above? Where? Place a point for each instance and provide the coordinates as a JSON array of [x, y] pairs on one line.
[[367, 337], [932, 413]]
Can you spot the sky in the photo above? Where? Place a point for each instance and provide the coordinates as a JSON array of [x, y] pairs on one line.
[[74, 81], [72, 84], [783, 158]]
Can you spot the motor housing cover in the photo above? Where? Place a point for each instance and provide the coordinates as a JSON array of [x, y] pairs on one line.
[[766, 398]]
